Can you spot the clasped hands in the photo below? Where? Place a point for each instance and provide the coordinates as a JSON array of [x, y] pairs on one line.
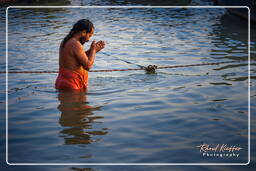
[[98, 45]]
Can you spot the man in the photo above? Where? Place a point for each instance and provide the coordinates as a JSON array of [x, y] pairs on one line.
[[74, 62]]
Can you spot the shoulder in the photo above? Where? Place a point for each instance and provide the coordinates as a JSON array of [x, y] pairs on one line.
[[74, 44]]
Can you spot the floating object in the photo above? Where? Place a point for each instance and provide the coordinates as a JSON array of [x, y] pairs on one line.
[[151, 69]]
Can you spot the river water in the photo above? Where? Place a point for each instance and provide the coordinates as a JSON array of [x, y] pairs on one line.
[[130, 117]]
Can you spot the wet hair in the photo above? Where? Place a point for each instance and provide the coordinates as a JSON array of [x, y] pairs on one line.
[[80, 25]]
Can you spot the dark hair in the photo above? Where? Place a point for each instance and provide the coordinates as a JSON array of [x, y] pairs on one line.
[[80, 25]]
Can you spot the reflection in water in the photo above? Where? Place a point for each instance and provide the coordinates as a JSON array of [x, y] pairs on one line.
[[78, 119], [234, 27]]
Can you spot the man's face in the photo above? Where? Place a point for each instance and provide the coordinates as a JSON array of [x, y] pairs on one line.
[[85, 37]]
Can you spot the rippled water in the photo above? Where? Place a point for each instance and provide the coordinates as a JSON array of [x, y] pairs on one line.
[[129, 117]]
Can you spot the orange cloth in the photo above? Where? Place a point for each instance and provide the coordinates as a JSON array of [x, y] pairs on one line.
[[72, 80]]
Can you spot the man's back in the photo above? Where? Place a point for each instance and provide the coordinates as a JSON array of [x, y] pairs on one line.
[[67, 58], [72, 75]]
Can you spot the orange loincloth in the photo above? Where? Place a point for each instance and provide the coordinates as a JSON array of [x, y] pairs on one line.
[[72, 80]]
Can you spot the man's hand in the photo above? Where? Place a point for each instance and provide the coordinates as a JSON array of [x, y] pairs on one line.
[[98, 46]]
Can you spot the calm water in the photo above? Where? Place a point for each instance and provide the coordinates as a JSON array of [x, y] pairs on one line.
[[129, 117]]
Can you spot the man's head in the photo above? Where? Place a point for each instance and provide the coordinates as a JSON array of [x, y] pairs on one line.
[[83, 28]]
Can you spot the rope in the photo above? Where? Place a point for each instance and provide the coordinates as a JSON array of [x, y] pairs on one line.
[[150, 68], [128, 62]]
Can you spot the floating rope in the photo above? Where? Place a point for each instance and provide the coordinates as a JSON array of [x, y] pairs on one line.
[[149, 68]]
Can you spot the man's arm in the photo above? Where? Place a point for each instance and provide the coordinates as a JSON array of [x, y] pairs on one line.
[[88, 51], [85, 59]]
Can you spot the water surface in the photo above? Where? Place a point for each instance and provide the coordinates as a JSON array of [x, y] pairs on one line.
[[129, 117]]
